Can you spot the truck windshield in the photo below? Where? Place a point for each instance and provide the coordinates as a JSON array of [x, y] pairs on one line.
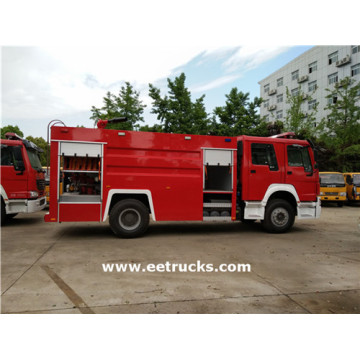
[[332, 179], [34, 159], [356, 178]]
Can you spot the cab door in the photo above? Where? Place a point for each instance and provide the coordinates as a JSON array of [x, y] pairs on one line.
[[263, 169], [300, 173], [14, 176]]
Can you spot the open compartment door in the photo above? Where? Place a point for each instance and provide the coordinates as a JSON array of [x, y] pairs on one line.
[[81, 166]]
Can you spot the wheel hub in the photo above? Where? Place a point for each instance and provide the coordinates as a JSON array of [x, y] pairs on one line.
[[129, 219], [280, 216]]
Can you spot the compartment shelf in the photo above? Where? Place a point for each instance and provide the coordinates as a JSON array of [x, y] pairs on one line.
[[217, 192], [217, 205], [81, 171], [77, 198]]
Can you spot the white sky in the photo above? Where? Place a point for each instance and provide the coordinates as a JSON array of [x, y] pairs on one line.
[[84, 50], [45, 83]]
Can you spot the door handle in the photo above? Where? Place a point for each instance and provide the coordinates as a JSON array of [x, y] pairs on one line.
[[289, 172], [252, 171]]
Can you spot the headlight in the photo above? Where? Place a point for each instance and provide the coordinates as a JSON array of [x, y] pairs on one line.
[[343, 194], [33, 194], [321, 193]]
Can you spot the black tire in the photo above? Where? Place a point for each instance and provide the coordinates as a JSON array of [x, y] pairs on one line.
[[279, 216], [129, 218], [340, 204], [3, 212]]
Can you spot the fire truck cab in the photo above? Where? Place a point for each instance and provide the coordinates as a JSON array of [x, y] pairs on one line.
[[22, 179], [126, 176]]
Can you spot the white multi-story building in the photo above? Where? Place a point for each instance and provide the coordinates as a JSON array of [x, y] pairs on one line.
[[316, 69]]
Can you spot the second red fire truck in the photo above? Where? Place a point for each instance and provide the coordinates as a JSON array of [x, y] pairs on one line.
[[22, 178], [128, 176]]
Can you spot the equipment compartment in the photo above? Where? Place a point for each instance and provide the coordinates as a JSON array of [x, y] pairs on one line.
[[218, 178], [82, 179]]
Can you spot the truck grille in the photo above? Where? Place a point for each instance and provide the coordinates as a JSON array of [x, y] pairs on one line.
[[332, 193], [40, 183]]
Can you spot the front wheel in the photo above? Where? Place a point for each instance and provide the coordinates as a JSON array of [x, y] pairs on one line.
[[279, 216], [129, 218]]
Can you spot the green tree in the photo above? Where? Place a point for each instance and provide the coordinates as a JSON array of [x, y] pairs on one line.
[[176, 111], [239, 116], [153, 128], [275, 128], [126, 104], [12, 129], [341, 128], [301, 122], [42, 144]]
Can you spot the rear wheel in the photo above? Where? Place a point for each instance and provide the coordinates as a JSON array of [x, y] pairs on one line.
[[279, 216], [129, 218]]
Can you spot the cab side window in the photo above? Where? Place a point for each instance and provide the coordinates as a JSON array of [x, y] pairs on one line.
[[11, 156], [6, 157], [299, 156], [264, 154]]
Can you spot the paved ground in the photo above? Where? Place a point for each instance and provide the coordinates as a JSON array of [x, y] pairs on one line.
[[57, 268]]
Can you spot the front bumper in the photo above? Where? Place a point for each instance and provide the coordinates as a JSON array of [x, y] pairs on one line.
[[25, 205], [332, 198], [36, 205]]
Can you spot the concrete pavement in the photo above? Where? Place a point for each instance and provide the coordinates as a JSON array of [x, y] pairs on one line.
[[57, 268]]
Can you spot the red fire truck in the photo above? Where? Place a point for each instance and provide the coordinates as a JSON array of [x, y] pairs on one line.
[[129, 175], [22, 178]]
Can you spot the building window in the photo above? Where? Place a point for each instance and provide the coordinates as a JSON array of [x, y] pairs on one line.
[[311, 104], [295, 92], [333, 57], [333, 78], [280, 82], [279, 98], [295, 75], [332, 100], [266, 104], [266, 88], [355, 49], [279, 114], [355, 70], [312, 67], [312, 86]]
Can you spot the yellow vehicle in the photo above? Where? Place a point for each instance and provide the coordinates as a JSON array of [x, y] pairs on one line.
[[352, 186], [47, 183], [332, 188]]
